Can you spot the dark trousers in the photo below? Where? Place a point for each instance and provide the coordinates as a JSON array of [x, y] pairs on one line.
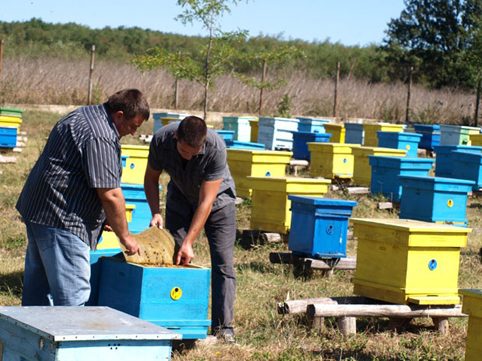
[[220, 230]]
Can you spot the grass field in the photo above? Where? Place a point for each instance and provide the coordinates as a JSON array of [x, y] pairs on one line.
[[262, 334]]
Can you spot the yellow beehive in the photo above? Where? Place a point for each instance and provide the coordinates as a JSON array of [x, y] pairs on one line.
[[475, 139], [167, 120], [270, 206], [257, 163], [10, 121], [109, 239], [406, 261], [253, 123], [331, 160], [472, 305], [337, 132], [136, 164], [371, 139], [362, 171]]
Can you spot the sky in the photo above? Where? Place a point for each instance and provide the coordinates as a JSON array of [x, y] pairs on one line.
[[349, 22]]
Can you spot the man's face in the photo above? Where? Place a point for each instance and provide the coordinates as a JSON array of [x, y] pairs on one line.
[[125, 126], [186, 151]]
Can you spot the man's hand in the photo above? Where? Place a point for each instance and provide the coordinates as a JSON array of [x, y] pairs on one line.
[[131, 245], [157, 221], [107, 227], [185, 254]]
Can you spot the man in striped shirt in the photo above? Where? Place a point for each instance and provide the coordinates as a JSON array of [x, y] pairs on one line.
[[71, 192]]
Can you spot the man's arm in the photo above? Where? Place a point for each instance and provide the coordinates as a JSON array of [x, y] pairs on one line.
[[207, 196], [115, 209], [151, 187]]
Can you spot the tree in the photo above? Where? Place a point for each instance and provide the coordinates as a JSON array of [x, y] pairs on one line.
[[218, 51], [432, 35]]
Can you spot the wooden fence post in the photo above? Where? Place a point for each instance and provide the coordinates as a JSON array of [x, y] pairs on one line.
[[1, 55], [261, 91], [91, 72], [407, 111], [477, 103], [337, 79]]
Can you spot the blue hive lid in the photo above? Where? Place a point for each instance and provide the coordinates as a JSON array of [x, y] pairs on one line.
[[428, 179], [387, 158], [427, 126], [318, 201], [450, 148]]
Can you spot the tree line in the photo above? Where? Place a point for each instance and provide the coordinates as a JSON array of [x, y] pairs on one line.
[[440, 40]]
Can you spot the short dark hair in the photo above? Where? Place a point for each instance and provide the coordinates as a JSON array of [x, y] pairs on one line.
[[192, 130], [131, 102]]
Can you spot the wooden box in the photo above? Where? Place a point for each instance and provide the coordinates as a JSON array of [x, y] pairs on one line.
[[468, 165], [277, 133], [10, 121], [337, 132], [301, 140], [8, 137], [371, 139], [430, 135], [241, 127], [386, 171], [319, 226], [472, 305], [270, 206], [475, 139], [400, 140], [434, 199], [174, 297], [406, 261], [362, 171], [456, 134], [354, 133], [254, 130], [445, 158], [80, 333], [331, 160], [136, 164], [311, 125], [256, 163]]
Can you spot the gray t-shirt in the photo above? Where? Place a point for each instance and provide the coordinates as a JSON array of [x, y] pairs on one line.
[[208, 165]]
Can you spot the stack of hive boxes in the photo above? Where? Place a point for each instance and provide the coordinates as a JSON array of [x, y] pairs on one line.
[[243, 136], [10, 120]]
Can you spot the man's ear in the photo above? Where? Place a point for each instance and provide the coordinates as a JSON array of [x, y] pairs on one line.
[[175, 134]]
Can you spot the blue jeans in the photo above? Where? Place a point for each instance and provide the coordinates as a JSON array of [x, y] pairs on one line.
[[57, 268]]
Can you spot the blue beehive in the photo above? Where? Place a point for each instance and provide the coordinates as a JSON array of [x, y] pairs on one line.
[[430, 135], [95, 271], [468, 165], [300, 140], [444, 160], [319, 226], [434, 199], [277, 133], [399, 140], [228, 135], [141, 214], [311, 125], [54, 333], [158, 117], [241, 127], [354, 133], [236, 144], [386, 172], [176, 298], [8, 137]]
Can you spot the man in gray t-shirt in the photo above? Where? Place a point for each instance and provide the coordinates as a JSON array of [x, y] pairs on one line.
[[200, 194]]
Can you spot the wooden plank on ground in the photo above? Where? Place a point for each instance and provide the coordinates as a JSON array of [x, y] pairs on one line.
[[385, 205], [300, 306], [348, 263], [358, 190], [6, 159]]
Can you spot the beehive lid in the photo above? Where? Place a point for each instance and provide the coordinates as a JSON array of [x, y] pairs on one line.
[[412, 225], [427, 127], [471, 293], [399, 135], [309, 120], [472, 302], [259, 156], [383, 126], [288, 184], [437, 183], [344, 148], [68, 323], [333, 126], [319, 201], [446, 149], [135, 150], [272, 120], [365, 151], [400, 161], [11, 111], [468, 156]]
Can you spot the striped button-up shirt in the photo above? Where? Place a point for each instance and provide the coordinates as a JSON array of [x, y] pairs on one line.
[[83, 153]]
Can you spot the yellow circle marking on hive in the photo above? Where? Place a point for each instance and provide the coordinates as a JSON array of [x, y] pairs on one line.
[[450, 203], [176, 293], [407, 146]]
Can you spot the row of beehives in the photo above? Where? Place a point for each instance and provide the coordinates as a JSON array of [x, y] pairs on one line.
[[10, 120]]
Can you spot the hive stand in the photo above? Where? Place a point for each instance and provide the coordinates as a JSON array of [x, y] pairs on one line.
[[304, 266], [347, 309]]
